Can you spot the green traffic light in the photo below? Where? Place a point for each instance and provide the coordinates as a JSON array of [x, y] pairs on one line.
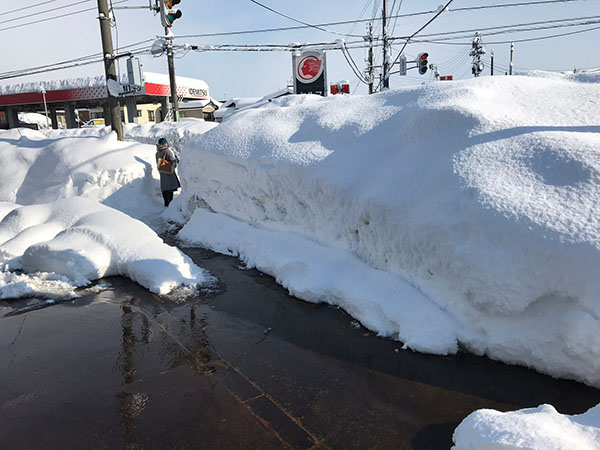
[[171, 17]]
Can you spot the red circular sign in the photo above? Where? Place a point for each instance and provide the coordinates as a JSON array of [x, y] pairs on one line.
[[309, 68]]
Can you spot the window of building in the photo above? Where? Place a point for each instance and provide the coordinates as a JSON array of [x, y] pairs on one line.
[[151, 116], [123, 116], [139, 113]]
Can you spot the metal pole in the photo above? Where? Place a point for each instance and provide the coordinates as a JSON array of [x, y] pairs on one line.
[[170, 59], [371, 68], [45, 104], [492, 65], [512, 51], [109, 67], [386, 63]]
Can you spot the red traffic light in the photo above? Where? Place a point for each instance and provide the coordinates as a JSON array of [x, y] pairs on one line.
[[172, 3], [422, 63]]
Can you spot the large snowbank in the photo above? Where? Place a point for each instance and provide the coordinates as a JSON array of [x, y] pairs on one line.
[[479, 194], [540, 428]]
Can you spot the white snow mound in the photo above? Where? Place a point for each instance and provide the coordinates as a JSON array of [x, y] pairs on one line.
[[85, 240]]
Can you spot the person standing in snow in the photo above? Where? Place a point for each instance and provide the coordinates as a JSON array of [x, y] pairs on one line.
[[166, 162]]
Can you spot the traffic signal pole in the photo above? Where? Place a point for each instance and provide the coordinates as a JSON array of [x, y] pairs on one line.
[[168, 15], [171, 62], [110, 69]]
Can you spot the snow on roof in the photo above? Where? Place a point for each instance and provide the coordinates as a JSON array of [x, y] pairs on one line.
[[53, 85], [199, 103], [160, 78], [95, 81], [243, 103]]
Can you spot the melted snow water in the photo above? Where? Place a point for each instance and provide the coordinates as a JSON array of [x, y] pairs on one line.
[[243, 365]]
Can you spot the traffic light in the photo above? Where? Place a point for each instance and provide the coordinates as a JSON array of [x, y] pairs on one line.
[[422, 62], [169, 14]]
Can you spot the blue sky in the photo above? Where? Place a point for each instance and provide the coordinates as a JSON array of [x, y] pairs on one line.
[[230, 74]]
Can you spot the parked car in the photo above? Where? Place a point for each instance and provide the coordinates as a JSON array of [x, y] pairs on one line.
[[94, 123]]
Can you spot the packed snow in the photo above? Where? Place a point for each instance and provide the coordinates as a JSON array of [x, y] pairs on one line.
[[447, 216]]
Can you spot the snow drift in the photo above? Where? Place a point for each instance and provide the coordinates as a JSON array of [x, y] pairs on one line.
[[57, 221], [479, 194]]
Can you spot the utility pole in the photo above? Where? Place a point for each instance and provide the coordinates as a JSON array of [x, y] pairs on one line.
[[109, 67], [512, 51], [492, 64], [386, 56], [371, 70], [171, 62]]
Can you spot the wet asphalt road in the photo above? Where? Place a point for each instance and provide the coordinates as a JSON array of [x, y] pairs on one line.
[[243, 367]]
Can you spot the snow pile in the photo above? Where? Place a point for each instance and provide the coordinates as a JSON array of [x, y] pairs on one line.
[[540, 428], [578, 76], [85, 240], [59, 164], [478, 194], [35, 119], [178, 134], [54, 227]]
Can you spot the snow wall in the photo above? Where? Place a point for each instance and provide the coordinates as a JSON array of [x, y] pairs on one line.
[[482, 195]]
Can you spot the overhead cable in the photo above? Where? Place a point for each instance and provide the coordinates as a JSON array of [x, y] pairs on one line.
[[376, 19], [60, 16], [12, 11], [58, 8], [302, 22]]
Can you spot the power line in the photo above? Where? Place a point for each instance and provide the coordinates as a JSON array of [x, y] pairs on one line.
[[511, 31], [300, 21], [56, 17], [441, 10], [500, 27], [45, 11], [12, 11], [360, 16], [545, 37], [82, 60], [376, 19]]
